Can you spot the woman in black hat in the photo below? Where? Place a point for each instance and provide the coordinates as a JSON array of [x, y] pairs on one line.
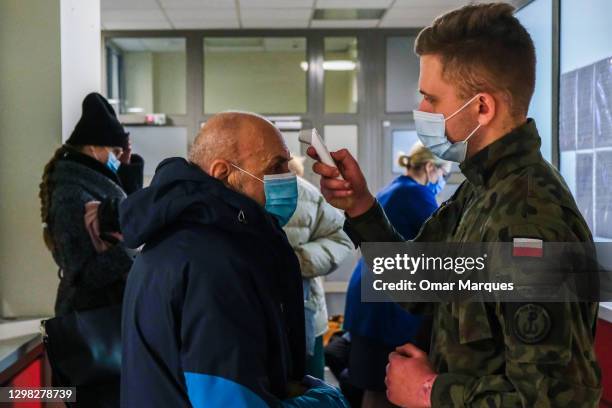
[[81, 188]]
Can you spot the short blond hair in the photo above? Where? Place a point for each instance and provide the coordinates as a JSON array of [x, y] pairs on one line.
[[296, 165]]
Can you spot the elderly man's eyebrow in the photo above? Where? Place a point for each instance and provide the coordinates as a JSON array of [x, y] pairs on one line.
[[277, 160]]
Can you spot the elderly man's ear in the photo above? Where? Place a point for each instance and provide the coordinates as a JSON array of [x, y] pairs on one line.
[[221, 170]]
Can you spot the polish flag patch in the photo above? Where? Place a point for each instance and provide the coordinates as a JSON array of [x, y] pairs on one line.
[[528, 247]]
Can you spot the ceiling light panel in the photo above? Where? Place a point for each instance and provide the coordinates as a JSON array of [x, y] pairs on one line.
[[202, 24], [205, 14], [275, 24], [348, 14], [275, 14], [417, 12], [344, 23], [276, 3], [353, 4]]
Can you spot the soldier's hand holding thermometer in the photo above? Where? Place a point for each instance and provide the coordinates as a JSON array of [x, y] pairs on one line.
[[342, 182]]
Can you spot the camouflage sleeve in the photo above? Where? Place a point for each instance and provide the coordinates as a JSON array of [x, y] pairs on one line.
[[548, 348], [371, 226], [374, 226], [549, 362]]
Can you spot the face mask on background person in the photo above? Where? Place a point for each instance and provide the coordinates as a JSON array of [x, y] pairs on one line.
[[112, 162], [431, 130], [281, 194], [438, 186]]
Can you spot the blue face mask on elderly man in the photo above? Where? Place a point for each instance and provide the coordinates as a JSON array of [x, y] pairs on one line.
[[281, 194]]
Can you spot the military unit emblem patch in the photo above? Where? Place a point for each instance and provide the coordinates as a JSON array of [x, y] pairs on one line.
[[531, 323]]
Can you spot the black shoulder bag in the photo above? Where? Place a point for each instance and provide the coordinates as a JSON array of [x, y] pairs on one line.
[[84, 347]]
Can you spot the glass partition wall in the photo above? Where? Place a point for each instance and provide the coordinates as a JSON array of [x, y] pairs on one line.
[[260, 74], [146, 75], [358, 87], [333, 80]]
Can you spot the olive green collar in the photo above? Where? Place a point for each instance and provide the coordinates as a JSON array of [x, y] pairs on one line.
[[517, 149]]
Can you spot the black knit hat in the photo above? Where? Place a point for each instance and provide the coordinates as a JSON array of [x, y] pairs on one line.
[[98, 125]]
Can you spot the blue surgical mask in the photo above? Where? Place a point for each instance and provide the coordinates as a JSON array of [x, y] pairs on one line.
[[438, 186], [281, 194], [113, 162], [431, 130]]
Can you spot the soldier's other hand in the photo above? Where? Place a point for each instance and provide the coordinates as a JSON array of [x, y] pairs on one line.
[[410, 377], [351, 194]]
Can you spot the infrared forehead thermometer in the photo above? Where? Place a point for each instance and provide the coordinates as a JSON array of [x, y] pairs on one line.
[[312, 137]]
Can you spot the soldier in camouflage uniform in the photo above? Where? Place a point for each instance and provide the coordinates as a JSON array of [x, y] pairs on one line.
[[486, 354]]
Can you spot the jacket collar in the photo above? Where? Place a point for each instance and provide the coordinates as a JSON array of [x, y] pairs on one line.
[[69, 172], [85, 160], [181, 192], [517, 149]]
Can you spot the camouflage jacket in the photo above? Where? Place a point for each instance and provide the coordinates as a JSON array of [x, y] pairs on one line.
[[481, 357]]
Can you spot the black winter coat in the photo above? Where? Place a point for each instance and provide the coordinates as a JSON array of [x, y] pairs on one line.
[[88, 279]]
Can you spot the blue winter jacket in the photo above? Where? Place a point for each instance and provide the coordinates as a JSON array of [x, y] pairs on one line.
[[213, 312]]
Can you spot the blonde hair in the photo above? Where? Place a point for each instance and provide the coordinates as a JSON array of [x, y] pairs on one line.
[[296, 165], [418, 157]]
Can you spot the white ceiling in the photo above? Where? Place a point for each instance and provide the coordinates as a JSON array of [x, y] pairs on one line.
[[273, 14]]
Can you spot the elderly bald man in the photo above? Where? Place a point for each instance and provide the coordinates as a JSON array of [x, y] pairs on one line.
[[213, 311]]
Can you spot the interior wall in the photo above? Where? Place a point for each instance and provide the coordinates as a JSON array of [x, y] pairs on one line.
[[37, 107], [138, 68], [30, 130], [257, 78], [340, 86], [169, 82], [537, 19], [155, 81], [81, 62]]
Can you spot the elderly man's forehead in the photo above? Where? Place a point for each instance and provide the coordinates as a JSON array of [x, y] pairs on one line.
[[260, 134], [234, 121], [255, 139]]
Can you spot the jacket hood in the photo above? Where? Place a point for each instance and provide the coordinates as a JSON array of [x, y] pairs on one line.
[[181, 192]]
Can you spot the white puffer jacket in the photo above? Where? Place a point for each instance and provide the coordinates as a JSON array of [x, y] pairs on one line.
[[315, 233]]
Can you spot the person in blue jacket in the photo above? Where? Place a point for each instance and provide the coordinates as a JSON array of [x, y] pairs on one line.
[[213, 313], [377, 328]]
